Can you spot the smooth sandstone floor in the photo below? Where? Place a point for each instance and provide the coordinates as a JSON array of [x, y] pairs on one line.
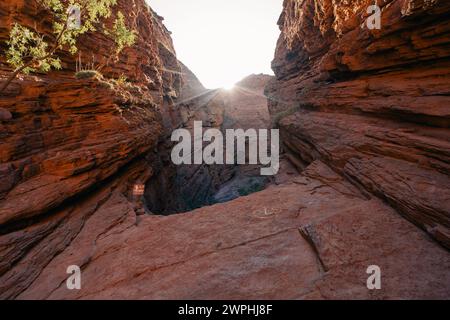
[[301, 240]]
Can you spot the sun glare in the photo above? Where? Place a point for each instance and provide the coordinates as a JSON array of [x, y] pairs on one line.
[[222, 42], [228, 86]]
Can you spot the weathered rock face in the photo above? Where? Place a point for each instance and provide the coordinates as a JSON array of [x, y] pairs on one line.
[[289, 241], [374, 105], [72, 151], [67, 134], [66, 143], [247, 104]]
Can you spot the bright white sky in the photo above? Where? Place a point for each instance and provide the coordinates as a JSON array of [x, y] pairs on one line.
[[222, 41]]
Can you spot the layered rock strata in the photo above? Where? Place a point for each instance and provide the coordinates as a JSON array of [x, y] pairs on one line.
[[70, 144], [353, 122], [372, 104]]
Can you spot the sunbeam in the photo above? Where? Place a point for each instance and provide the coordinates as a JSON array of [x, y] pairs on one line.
[[240, 88]]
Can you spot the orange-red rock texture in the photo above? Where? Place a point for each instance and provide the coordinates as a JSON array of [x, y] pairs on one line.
[[367, 128], [68, 140], [374, 105]]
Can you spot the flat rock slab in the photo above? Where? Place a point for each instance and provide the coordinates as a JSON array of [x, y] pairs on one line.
[[307, 239]]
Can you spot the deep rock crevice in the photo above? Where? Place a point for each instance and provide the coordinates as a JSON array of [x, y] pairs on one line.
[[182, 188]]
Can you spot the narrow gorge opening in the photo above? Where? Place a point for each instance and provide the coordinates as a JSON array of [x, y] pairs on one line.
[[182, 188], [219, 55]]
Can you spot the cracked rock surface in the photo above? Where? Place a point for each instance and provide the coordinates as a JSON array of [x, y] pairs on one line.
[[254, 247]]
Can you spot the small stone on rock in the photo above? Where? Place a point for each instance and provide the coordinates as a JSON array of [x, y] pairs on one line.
[[5, 114]]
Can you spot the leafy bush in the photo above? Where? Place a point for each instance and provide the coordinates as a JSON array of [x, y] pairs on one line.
[[106, 84], [121, 34], [88, 74], [122, 81], [29, 51], [25, 43]]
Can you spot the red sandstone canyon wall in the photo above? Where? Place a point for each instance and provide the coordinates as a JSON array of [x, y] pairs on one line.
[[365, 122], [70, 144], [373, 105]]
